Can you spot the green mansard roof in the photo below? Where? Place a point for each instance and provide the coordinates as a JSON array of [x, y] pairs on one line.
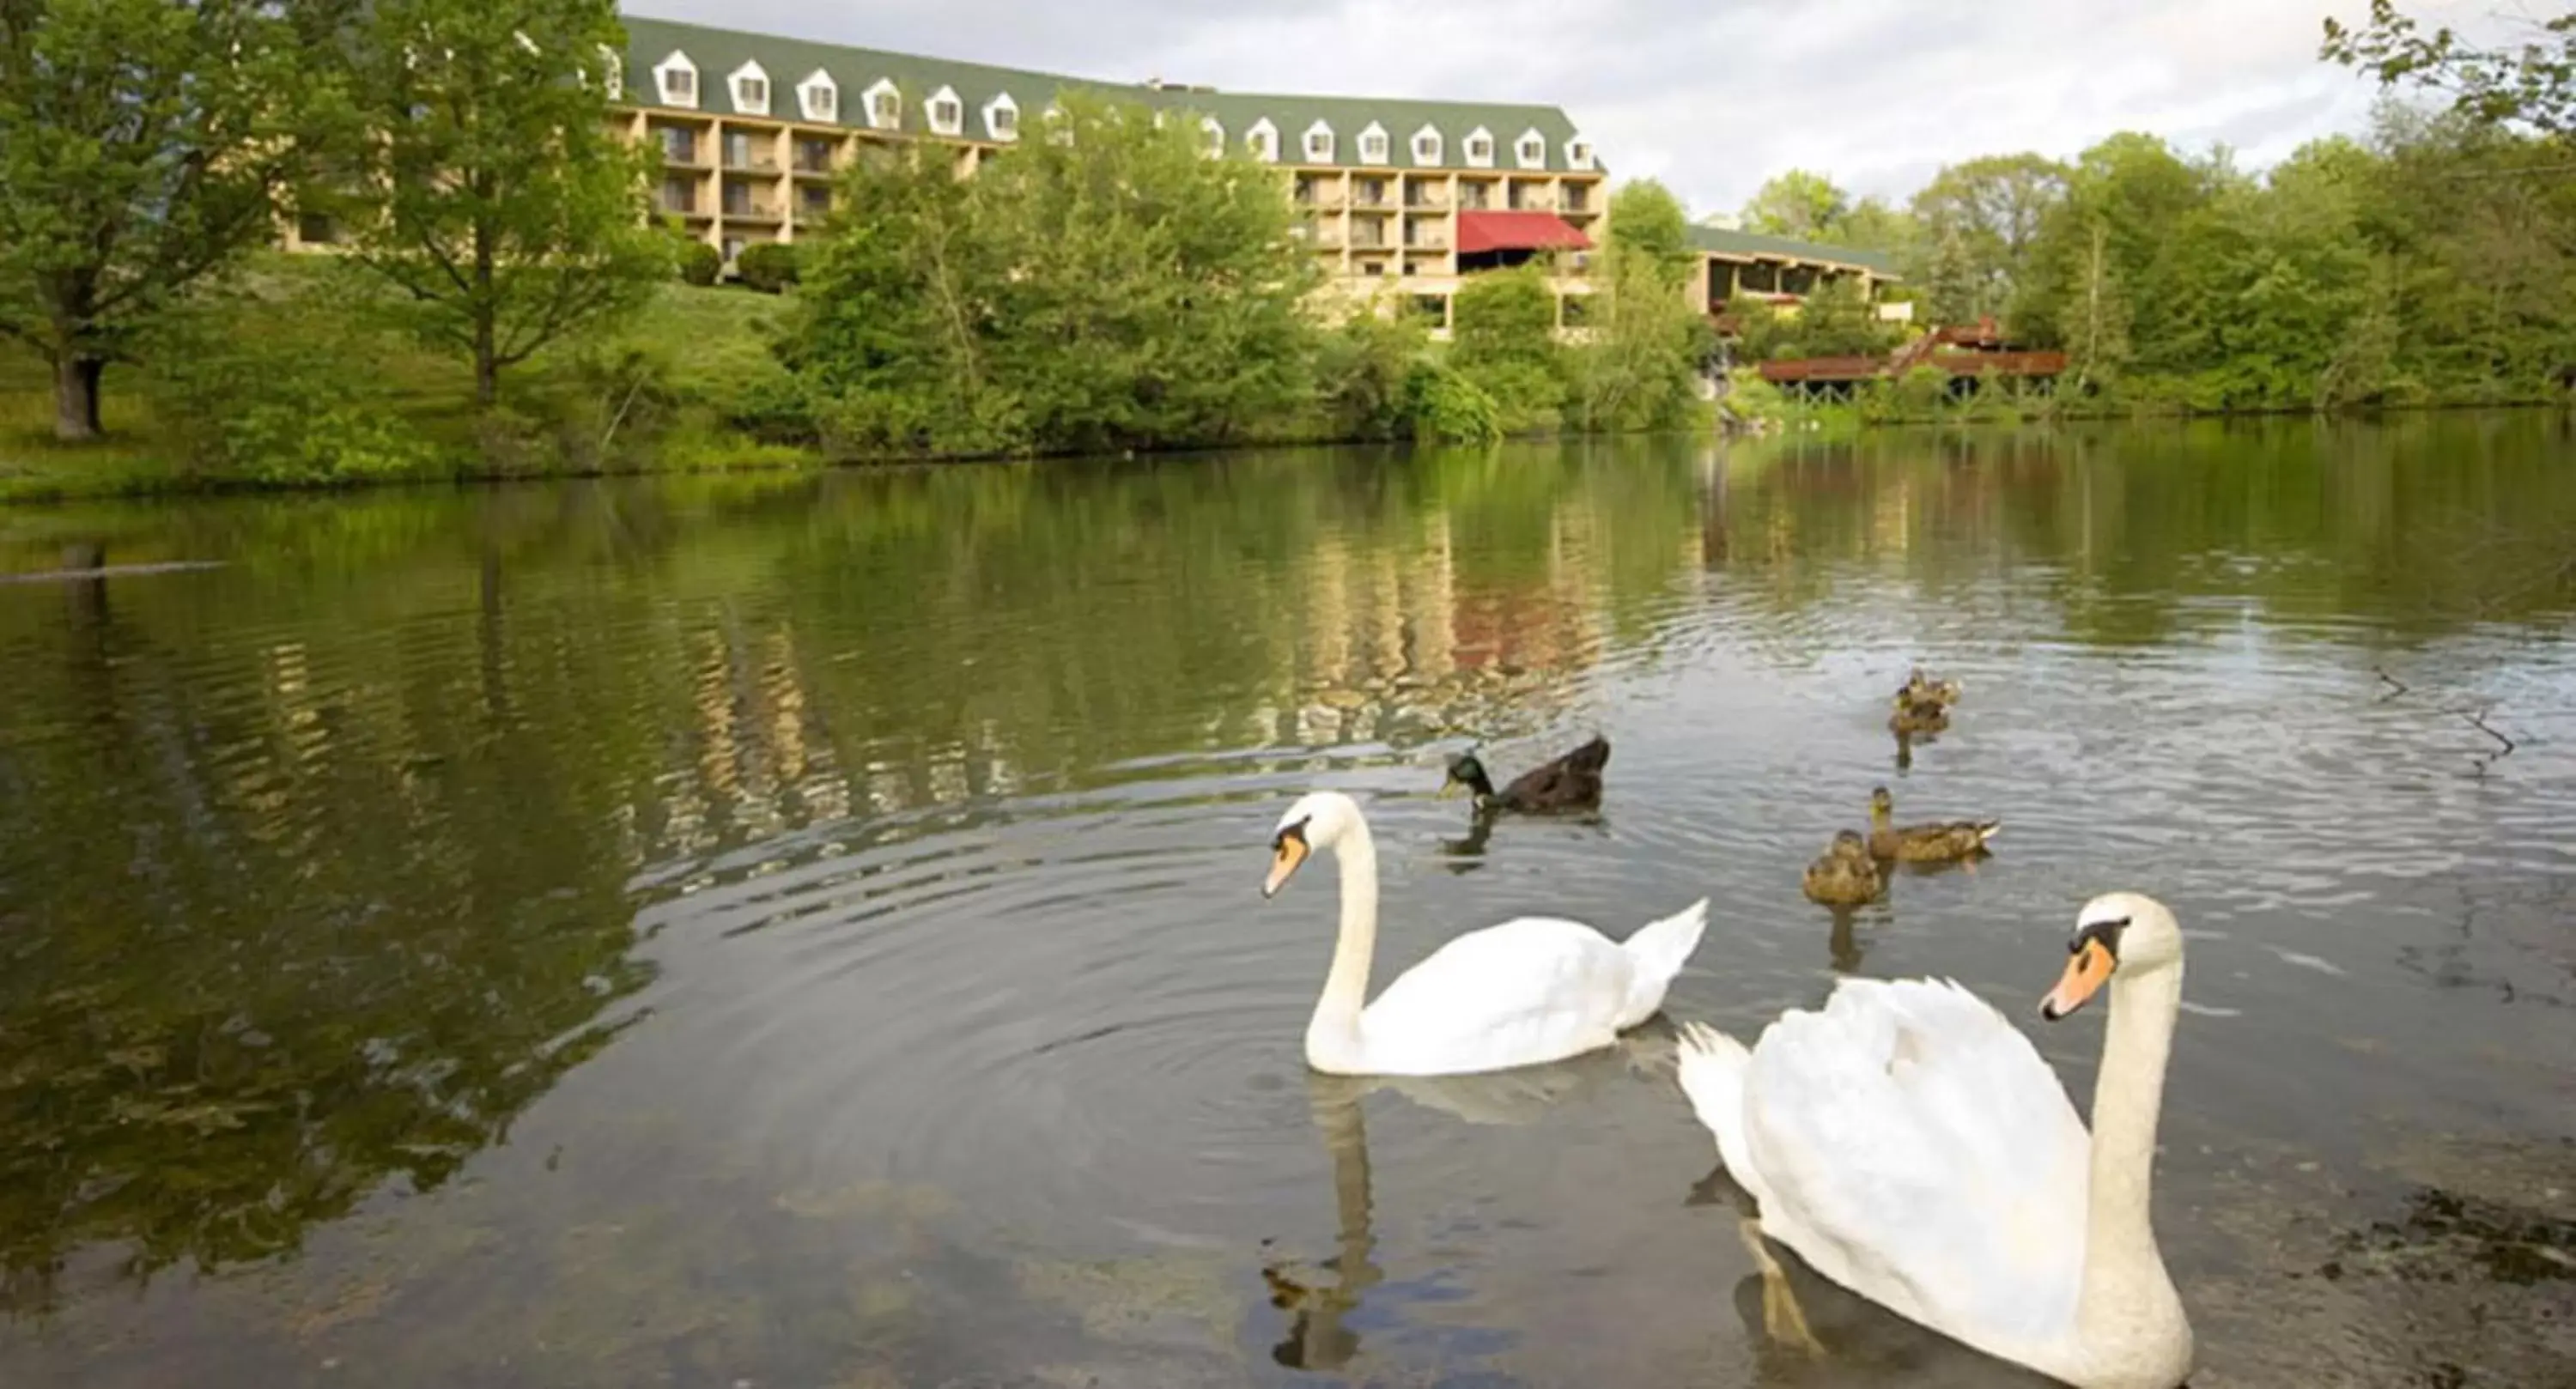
[[718, 53], [1726, 242]]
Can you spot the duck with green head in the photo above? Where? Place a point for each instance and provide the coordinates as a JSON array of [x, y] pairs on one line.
[[1942, 842], [1571, 782]]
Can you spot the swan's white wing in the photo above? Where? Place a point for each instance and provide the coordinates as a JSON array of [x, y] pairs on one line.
[[1918, 1151], [1530, 990]]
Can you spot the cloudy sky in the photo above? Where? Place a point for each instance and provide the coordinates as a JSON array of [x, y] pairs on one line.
[[1712, 96]]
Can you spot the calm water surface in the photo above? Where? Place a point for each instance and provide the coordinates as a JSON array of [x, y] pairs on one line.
[[806, 933]]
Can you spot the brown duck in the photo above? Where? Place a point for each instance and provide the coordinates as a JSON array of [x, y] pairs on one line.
[[1844, 875], [1935, 843]]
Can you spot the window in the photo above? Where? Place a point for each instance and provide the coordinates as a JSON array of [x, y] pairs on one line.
[[819, 96], [750, 90], [612, 73], [677, 80], [1373, 145], [1578, 153], [947, 113], [1426, 147], [1319, 143], [885, 106], [732, 249], [1002, 118], [1263, 141], [816, 200], [739, 152], [679, 144], [316, 229], [1215, 136], [1480, 149], [680, 195], [1532, 150], [813, 156]]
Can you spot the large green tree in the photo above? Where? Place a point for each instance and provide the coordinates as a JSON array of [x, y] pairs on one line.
[[141, 145], [1637, 364], [1797, 203], [1646, 217], [489, 188], [1978, 222]]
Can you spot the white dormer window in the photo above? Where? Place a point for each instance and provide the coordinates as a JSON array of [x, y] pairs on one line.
[[1215, 132], [1578, 153], [1002, 118], [1426, 147], [885, 105], [947, 113], [1480, 148], [1263, 140], [1058, 131], [1373, 145], [1319, 143], [612, 73], [676, 80], [819, 97], [1531, 150], [750, 84]]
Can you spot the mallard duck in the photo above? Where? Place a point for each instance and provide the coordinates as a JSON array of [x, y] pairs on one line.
[[1917, 717], [1910, 1144], [1571, 782], [1844, 875], [1920, 688], [1531, 990], [1938, 843]]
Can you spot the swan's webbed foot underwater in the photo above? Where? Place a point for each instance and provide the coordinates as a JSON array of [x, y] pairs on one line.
[[1782, 1319]]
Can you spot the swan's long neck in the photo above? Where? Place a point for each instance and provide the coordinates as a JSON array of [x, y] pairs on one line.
[[2127, 1294], [1335, 1028]]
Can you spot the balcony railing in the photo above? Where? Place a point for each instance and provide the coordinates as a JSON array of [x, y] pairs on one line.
[[749, 210], [751, 161], [1425, 200]]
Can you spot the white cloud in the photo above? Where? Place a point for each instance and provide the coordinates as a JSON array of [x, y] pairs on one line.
[[1713, 99]]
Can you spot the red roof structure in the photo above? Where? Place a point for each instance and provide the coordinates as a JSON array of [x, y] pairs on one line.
[[1518, 231]]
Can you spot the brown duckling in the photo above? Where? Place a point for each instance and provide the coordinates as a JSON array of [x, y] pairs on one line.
[[1935, 843], [1920, 688], [1914, 717], [1571, 782], [1844, 875]]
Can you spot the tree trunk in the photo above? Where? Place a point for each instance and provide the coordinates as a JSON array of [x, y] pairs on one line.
[[76, 380], [487, 370]]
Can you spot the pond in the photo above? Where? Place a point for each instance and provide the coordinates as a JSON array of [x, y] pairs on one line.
[[806, 931]]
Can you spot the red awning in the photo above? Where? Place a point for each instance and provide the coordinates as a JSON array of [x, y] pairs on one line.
[[1518, 231]]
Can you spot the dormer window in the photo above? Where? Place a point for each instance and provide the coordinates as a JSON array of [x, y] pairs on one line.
[[947, 113], [1426, 147], [819, 97], [1480, 149], [1578, 153], [885, 106], [1531, 150], [1263, 141], [1215, 132], [612, 73], [676, 80], [1002, 118], [1373, 145], [750, 85], [1319, 143]]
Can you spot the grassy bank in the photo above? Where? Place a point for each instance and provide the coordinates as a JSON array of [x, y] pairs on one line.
[[296, 377]]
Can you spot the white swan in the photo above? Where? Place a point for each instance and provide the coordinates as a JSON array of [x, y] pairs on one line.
[[1911, 1146], [1525, 992]]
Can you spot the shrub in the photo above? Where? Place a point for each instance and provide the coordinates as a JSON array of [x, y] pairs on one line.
[[1447, 407], [1363, 372], [769, 266], [700, 263], [280, 392]]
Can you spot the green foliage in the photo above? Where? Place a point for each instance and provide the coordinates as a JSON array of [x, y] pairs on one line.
[[699, 263], [1637, 364], [2530, 84], [1502, 328], [1447, 407], [767, 266], [256, 390], [1837, 320], [141, 143], [1365, 368], [1646, 217], [1108, 288], [489, 188], [1797, 203], [1977, 222]]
